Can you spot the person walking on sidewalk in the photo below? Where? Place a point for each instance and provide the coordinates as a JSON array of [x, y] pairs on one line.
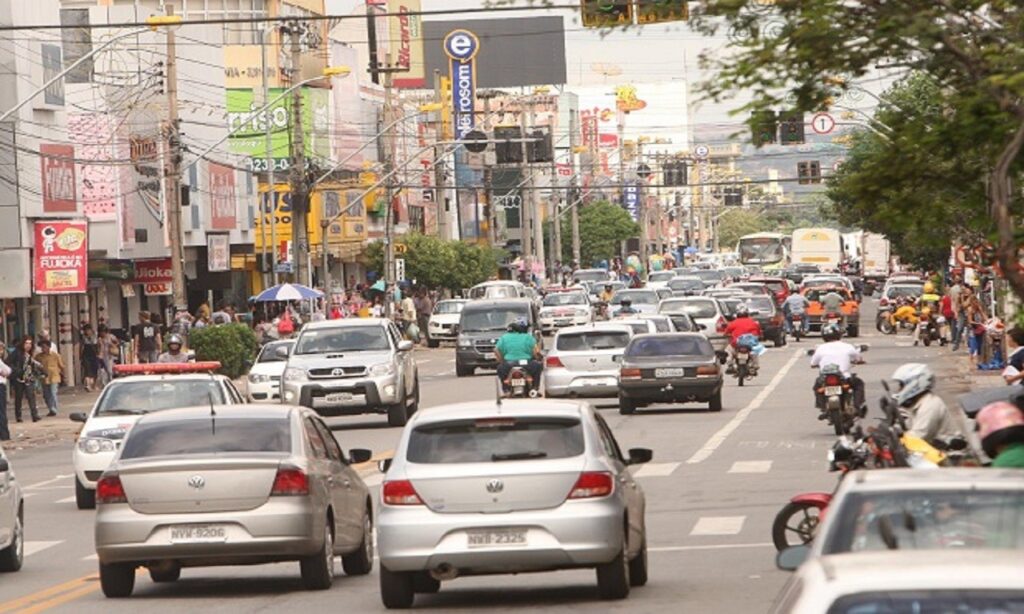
[[53, 371], [26, 371], [109, 349], [90, 356], [5, 372]]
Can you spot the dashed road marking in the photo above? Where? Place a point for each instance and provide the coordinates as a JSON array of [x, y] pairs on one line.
[[718, 525], [656, 470], [66, 500], [35, 547], [751, 467]]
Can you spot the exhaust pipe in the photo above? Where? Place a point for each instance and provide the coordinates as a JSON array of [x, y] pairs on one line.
[[444, 572]]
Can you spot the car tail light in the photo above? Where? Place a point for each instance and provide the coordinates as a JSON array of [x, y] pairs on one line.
[[110, 490], [629, 374], [707, 370], [720, 325], [592, 484], [400, 492], [553, 361], [290, 482], [833, 380]]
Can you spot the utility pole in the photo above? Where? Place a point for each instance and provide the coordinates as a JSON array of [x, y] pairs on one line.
[[556, 223], [490, 209], [526, 209], [642, 213], [389, 215], [271, 184], [172, 175], [297, 175], [574, 219], [440, 194]]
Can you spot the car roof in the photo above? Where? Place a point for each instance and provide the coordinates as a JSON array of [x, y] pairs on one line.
[[908, 570], [508, 408], [346, 323], [974, 478], [250, 410]]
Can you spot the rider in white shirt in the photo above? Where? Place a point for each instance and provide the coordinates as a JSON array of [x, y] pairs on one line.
[[843, 355]]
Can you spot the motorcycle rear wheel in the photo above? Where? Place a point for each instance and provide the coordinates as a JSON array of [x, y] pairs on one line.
[[838, 425], [795, 524], [741, 373]]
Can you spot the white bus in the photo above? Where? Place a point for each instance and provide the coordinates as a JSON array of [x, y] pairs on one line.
[[820, 246], [767, 250]]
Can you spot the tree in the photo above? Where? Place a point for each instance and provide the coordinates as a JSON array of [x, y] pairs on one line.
[[735, 223], [809, 50], [435, 263], [603, 228]]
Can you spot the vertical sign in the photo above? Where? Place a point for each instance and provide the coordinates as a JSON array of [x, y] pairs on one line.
[[58, 169], [222, 197], [61, 254], [52, 65], [218, 253], [407, 29], [631, 200], [461, 47]]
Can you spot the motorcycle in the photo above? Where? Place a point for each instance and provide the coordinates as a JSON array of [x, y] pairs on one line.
[[834, 396], [931, 329], [834, 318], [519, 383], [797, 322], [899, 318], [742, 359]]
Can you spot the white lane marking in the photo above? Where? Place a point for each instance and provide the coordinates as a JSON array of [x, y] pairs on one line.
[[65, 500], [710, 547], [751, 467], [718, 525], [91, 557], [656, 470], [50, 481], [374, 480], [719, 438], [33, 547]]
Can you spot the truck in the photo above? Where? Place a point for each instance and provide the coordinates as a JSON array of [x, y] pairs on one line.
[[819, 246], [875, 258]]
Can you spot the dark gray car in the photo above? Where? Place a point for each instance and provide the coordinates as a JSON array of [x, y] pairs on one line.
[[669, 368]]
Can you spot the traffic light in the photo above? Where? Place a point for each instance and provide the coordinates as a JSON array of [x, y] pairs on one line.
[[674, 173], [732, 196], [764, 127], [506, 152], [791, 128], [808, 172], [606, 13], [540, 150]]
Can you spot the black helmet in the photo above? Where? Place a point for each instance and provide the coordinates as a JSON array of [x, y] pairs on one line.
[[831, 332], [519, 325]]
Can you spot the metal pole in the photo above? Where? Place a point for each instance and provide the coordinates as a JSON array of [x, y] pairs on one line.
[[173, 177], [574, 220], [525, 209], [556, 223], [271, 184], [389, 219], [440, 194], [297, 178], [645, 247]]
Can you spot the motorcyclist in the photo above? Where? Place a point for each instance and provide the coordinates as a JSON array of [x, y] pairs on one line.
[[927, 305], [173, 353], [843, 355], [517, 345], [626, 308], [1001, 430], [927, 415], [606, 295], [743, 324], [796, 304], [832, 301]]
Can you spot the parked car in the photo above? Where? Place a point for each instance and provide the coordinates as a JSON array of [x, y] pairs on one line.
[[232, 485], [481, 324], [443, 324], [125, 400], [561, 309], [12, 518], [353, 366], [536, 485], [706, 312], [669, 368], [584, 361], [264, 380]]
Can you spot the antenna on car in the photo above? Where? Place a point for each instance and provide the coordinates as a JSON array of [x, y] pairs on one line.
[[213, 414], [497, 390]]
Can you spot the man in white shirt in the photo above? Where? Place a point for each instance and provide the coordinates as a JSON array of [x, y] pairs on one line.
[[843, 355]]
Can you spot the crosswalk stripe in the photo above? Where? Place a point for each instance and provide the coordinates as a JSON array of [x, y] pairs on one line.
[[751, 467], [35, 547], [718, 525], [656, 470]]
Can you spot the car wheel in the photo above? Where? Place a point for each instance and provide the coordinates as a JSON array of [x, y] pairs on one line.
[[461, 371], [425, 583], [117, 579], [780, 340], [397, 589], [13, 556], [433, 343], [165, 574], [715, 404], [613, 577], [360, 562], [398, 414], [626, 406], [854, 331], [415, 405], [318, 569], [638, 567], [85, 499]]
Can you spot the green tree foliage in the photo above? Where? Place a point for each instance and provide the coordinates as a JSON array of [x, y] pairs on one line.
[[440, 264], [233, 345], [603, 228], [735, 223], [803, 53]]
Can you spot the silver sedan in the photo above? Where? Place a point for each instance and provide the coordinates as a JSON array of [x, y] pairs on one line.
[[231, 485], [479, 488]]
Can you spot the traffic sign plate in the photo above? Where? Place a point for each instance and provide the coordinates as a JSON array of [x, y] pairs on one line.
[[701, 151], [476, 141], [823, 123]]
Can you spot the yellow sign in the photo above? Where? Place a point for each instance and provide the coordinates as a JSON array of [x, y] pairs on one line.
[[327, 201], [626, 99], [401, 248]]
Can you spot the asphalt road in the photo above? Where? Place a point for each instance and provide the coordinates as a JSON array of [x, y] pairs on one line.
[[714, 487]]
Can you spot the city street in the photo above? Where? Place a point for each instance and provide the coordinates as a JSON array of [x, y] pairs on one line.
[[714, 486]]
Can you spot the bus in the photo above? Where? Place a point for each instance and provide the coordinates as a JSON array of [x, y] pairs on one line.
[[768, 250], [820, 246]]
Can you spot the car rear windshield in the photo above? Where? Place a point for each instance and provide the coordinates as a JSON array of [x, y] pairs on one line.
[[144, 396], [495, 440], [697, 309], [661, 276], [681, 345], [904, 292], [681, 322], [492, 319], [449, 307], [591, 276], [916, 519], [638, 297], [938, 601], [709, 275], [347, 339], [593, 340], [764, 305], [686, 284], [212, 435]]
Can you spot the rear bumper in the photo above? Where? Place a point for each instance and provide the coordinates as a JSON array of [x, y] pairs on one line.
[[677, 390], [469, 357], [563, 382]]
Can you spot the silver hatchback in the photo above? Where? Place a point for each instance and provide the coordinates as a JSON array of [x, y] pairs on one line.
[[231, 485], [584, 361], [479, 488]]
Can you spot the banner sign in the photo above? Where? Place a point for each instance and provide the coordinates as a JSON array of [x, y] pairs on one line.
[[155, 271], [461, 46], [222, 197], [58, 169], [407, 29], [157, 289], [61, 257], [631, 200], [218, 253]]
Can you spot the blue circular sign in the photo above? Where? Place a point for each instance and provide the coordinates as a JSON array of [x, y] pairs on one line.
[[461, 45]]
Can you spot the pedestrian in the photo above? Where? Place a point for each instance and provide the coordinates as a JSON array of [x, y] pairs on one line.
[[26, 372], [53, 373], [5, 372], [407, 312], [1014, 371], [147, 338], [109, 350], [89, 356], [223, 314], [958, 321], [182, 325], [424, 307], [975, 324]]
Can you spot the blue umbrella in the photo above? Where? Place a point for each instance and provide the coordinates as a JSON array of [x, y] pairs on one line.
[[288, 292]]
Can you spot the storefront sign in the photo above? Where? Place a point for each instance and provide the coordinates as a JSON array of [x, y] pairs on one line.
[[222, 197], [157, 289], [58, 170], [61, 257], [461, 47], [631, 200], [156, 271], [218, 253], [248, 128], [407, 29]]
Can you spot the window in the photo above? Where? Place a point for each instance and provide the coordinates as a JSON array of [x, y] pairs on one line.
[[670, 345], [494, 319], [208, 435], [347, 339], [333, 449], [596, 340], [316, 443], [559, 299], [495, 440], [912, 602], [611, 446], [447, 307], [141, 397]]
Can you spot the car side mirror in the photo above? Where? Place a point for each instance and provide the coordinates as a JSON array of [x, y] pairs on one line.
[[405, 345], [247, 364], [281, 352], [359, 455], [791, 558], [78, 416], [639, 456], [4, 465], [383, 465]]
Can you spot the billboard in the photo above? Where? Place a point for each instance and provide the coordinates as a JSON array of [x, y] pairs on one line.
[[513, 52], [58, 176], [461, 47], [250, 138], [61, 257], [349, 227], [222, 197], [98, 184], [407, 31]]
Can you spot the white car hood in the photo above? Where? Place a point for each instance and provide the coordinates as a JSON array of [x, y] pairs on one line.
[[273, 369], [446, 318]]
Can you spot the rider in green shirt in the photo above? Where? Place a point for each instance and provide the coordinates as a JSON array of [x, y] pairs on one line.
[[519, 345]]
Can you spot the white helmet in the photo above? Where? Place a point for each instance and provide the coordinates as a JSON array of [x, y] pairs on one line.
[[915, 379]]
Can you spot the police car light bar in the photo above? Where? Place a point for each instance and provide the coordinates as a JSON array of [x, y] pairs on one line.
[[168, 368]]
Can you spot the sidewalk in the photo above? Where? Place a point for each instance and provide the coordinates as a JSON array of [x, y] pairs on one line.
[[49, 430]]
